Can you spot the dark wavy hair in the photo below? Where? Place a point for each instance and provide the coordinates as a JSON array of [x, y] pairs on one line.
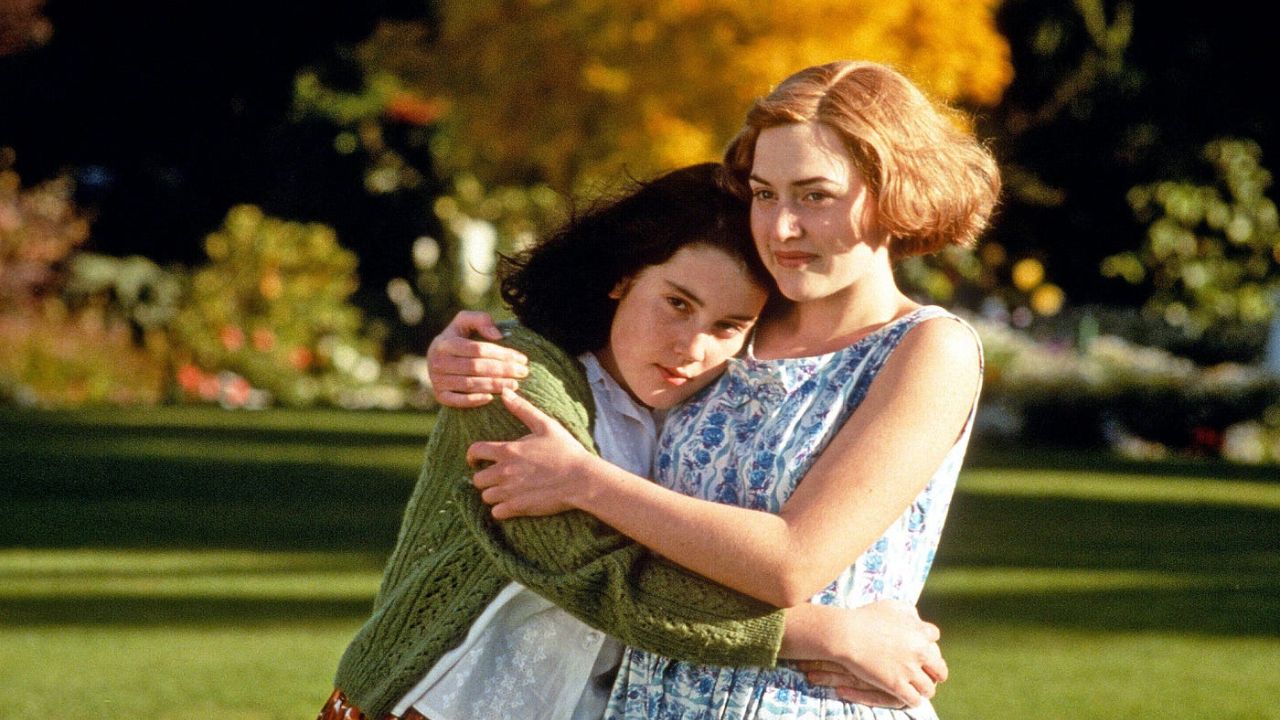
[[560, 286]]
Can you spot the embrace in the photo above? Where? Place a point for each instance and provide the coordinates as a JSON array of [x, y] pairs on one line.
[[725, 444]]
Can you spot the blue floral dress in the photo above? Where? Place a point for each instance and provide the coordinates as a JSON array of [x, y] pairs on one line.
[[748, 441]]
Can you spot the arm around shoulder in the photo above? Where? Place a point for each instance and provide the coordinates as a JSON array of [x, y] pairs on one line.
[[594, 572]]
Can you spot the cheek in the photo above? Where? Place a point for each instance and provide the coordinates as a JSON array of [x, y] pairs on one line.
[[720, 352], [759, 225]]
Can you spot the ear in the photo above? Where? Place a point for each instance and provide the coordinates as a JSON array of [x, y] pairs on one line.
[[620, 290]]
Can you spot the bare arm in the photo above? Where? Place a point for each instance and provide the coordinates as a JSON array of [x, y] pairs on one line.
[[866, 477], [879, 654]]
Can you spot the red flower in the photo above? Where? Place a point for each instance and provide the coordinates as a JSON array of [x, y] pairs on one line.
[[189, 377], [1206, 438], [236, 392], [263, 339], [300, 358], [232, 337], [410, 109]]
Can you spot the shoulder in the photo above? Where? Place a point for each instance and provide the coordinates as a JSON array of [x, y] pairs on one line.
[[941, 347], [556, 384], [941, 331], [552, 371], [537, 348]]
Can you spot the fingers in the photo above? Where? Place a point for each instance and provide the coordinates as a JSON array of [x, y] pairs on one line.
[[909, 694], [465, 391], [473, 321], [460, 356], [853, 689], [479, 453], [457, 355], [526, 412], [815, 666], [493, 495], [465, 372], [838, 679], [874, 698], [935, 666], [462, 400]]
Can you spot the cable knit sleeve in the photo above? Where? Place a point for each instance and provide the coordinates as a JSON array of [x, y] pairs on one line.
[[592, 571]]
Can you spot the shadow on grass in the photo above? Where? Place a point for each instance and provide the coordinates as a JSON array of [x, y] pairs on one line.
[[356, 524], [1037, 532], [1223, 608], [53, 501], [991, 455], [1222, 565], [87, 478], [148, 611], [53, 497], [48, 432]]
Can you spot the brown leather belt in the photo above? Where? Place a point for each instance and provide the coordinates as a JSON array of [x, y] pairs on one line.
[[338, 708]]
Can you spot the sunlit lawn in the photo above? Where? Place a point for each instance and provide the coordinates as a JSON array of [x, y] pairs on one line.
[[195, 563]]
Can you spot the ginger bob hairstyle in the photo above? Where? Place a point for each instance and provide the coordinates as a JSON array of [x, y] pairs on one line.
[[935, 184]]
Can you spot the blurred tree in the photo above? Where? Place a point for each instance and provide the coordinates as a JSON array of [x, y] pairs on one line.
[[571, 92], [1212, 251], [526, 104], [53, 352], [23, 25], [39, 228], [1111, 94], [272, 305]]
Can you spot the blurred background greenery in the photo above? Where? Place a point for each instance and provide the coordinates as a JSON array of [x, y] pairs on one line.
[[261, 206], [257, 206]]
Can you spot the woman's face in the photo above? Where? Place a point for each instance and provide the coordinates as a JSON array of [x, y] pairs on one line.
[[678, 322], [813, 215]]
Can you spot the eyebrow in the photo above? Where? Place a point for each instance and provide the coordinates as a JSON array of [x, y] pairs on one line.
[[700, 303], [803, 181]]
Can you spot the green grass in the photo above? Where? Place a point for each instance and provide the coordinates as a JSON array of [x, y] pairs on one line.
[[193, 563]]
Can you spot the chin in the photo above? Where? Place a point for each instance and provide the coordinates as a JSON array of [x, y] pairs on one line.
[[664, 401]]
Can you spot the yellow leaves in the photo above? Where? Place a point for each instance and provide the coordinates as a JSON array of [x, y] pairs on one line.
[[574, 91], [1027, 273], [1048, 299], [597, 76], [676, 142], [271, 285]]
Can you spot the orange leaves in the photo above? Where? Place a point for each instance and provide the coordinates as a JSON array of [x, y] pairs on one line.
[[570, 92]]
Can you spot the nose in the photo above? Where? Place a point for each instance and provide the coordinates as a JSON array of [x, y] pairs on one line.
[[786, 223], [691, 347]]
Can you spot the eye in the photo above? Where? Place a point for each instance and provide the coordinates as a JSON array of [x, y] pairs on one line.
[[762, 194], [677, 302], [815, 196], [728, 330]]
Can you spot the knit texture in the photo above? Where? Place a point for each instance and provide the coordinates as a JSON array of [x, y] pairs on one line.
[[451, 559]]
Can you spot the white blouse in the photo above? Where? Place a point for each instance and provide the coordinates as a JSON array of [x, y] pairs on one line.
[[524, 656]]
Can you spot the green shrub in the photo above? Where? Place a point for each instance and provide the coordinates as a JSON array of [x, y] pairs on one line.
[[1212, 251], [53, 352], [272, 307]]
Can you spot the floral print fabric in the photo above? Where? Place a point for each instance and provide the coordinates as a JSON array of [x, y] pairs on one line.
[[748, 441]]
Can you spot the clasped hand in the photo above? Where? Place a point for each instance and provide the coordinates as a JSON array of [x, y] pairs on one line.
[[543, 473]]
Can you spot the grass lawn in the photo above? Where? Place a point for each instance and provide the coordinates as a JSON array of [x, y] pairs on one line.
[[184, 563]]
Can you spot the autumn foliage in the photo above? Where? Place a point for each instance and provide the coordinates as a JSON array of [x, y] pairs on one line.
[[569, 92]]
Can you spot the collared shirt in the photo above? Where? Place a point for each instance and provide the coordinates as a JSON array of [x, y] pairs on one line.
[[524, 656]]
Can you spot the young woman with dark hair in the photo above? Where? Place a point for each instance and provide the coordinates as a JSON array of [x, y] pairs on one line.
[[475, 618]]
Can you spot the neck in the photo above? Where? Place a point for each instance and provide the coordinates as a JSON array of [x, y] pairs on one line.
[[822, 325]]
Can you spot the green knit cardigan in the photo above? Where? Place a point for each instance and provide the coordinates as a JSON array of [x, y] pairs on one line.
[[451, 559]]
